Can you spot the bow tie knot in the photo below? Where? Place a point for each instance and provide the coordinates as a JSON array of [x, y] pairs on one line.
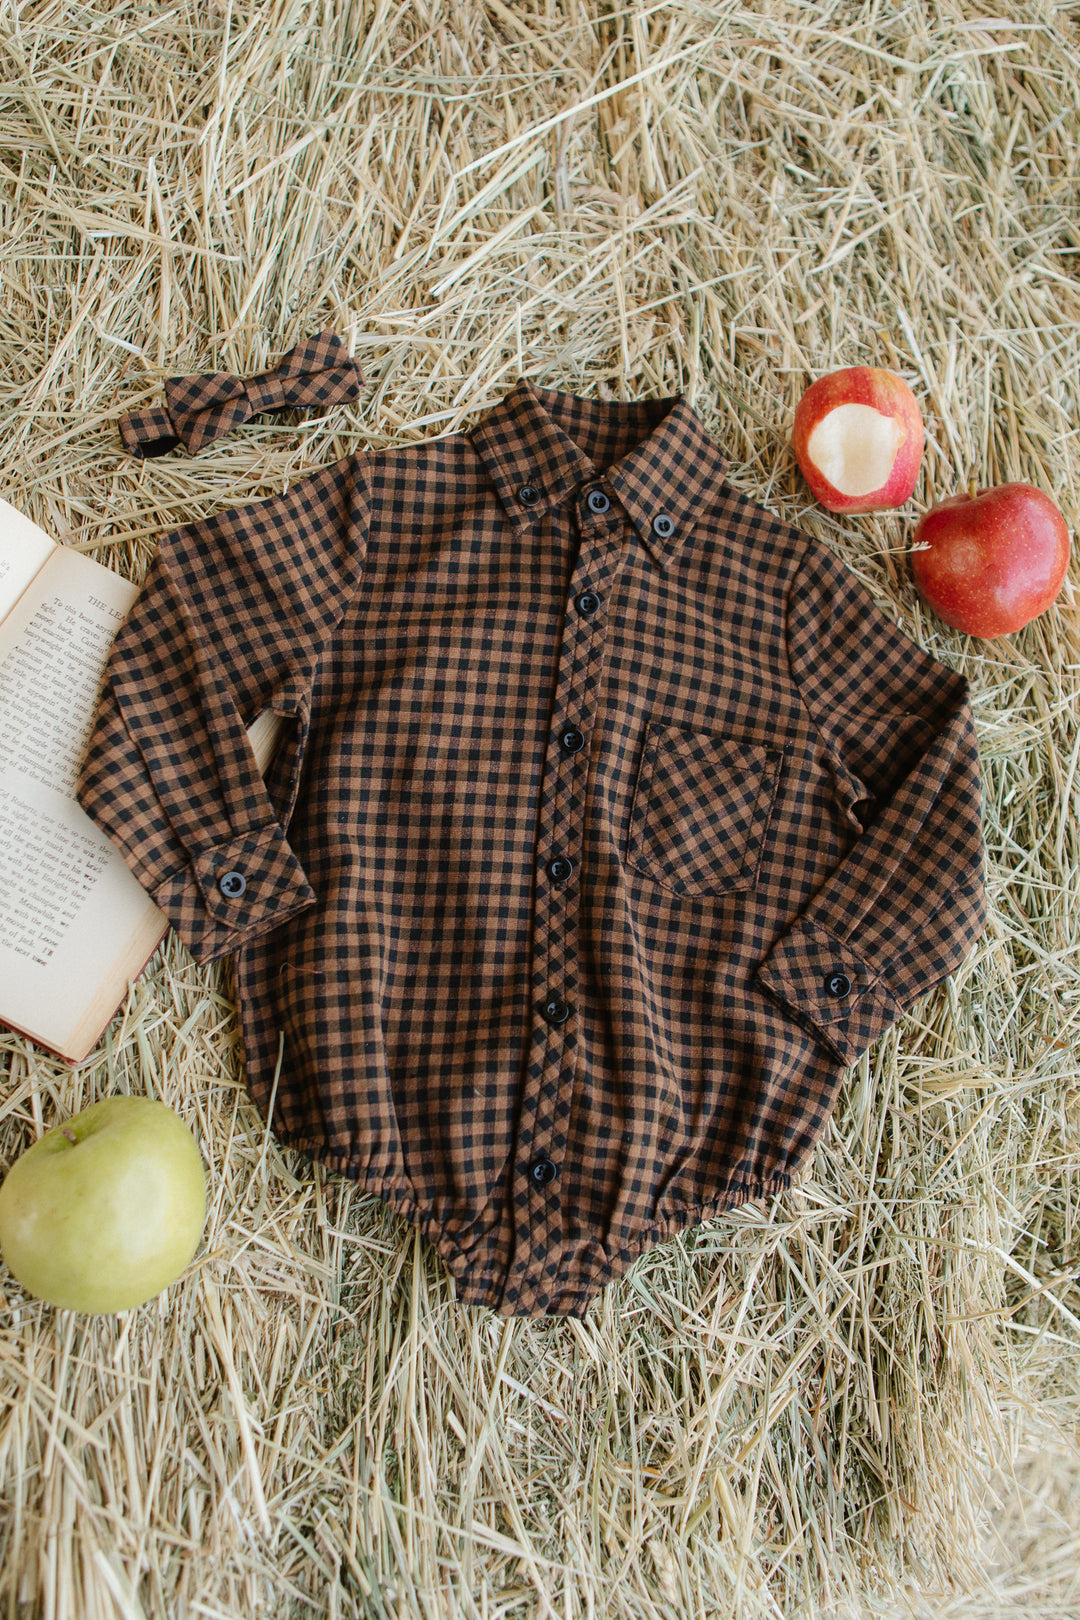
[[315, 375]]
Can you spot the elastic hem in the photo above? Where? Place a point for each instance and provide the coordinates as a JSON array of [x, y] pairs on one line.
[[476, 1282]]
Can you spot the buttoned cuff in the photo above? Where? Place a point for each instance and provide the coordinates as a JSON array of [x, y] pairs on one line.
[[821, 983], [235, 892]]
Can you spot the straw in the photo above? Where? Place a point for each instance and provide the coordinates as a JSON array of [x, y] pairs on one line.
[[863, 1398]]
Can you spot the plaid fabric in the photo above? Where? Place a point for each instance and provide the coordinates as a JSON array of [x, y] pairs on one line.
[[313, 376], [611, 822]]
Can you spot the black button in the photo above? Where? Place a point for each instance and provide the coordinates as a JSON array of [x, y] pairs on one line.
[[528, 495], [588, 602], [561, 868], [663, 525], [597, 501], [232, 884], [571, 741], [556, 1011], [543, 1170], [837, 984]]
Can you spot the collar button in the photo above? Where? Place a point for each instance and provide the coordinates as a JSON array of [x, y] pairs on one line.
[[663, 525], [597, 501]]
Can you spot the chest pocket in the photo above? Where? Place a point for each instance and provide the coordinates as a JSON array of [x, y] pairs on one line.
[[701, 810]]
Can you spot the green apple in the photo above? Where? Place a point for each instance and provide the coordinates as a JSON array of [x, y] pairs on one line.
[[107, 1209]]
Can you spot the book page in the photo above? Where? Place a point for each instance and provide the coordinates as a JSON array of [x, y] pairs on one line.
[[75, 923], [53, 647], [71, 913], [23, 549]]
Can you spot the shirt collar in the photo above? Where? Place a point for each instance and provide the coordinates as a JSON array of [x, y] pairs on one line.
[[667, 475]]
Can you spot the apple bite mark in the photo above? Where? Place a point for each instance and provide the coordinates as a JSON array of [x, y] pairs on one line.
[[858, 439], [854, 447]]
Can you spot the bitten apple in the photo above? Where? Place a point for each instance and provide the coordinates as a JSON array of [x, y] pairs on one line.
[[991, 561], [858, 438], [107, 1209]]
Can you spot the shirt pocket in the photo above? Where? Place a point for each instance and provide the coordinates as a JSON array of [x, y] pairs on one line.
[[701, 810]]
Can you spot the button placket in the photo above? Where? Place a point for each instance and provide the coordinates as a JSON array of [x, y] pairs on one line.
[[548, 1078]]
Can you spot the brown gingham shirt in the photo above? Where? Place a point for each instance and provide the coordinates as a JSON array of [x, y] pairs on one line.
[[612, 821]]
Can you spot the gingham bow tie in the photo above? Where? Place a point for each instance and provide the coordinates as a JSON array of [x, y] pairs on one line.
[[314, 376]]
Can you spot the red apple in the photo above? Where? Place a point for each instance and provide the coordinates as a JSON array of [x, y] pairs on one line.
[[858, 438], [993, 560]]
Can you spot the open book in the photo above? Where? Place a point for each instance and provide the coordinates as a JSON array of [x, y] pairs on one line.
[[75, 925]]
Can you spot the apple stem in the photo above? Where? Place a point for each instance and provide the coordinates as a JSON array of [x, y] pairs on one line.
[[69, 1134], [973, 487]]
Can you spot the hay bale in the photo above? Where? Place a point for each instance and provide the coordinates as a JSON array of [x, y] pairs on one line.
[[812, 1408]]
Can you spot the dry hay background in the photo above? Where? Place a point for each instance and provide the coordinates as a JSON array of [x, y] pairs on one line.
[[847, 1402]]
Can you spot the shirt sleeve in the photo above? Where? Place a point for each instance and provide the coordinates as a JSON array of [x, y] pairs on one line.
[[902, 909], [230, 621]]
